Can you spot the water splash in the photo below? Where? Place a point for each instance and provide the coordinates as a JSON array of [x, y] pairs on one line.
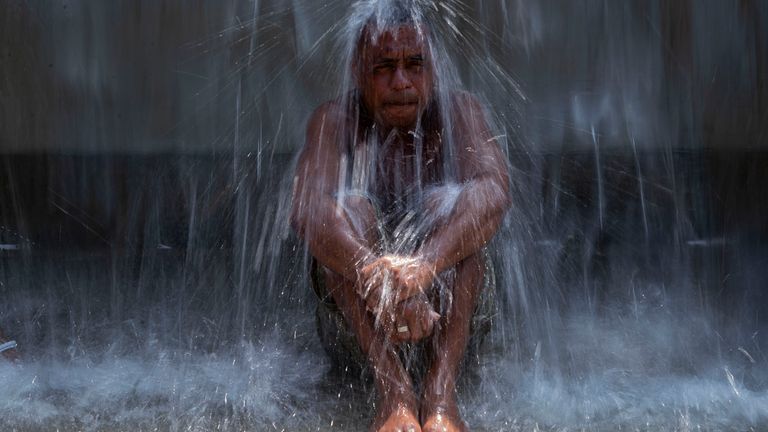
[[199, 330]]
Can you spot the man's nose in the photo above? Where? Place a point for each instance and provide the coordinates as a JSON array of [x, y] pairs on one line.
[[400, 80]]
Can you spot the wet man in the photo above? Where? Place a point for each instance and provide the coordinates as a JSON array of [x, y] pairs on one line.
[[396, 234]]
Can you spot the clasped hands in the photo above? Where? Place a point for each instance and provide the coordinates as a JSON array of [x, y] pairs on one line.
[[393, 287]]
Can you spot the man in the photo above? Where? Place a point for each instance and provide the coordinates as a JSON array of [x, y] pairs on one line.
[[396, 192]]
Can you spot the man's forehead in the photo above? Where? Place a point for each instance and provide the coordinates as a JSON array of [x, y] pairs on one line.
[[410, 39]]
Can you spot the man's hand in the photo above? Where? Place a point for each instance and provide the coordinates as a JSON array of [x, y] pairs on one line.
[[414, 319], [392, 279], [393, 288]]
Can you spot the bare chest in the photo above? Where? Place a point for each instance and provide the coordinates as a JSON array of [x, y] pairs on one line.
[[403, 169]]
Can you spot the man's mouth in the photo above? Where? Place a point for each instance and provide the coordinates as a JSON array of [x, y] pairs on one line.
[[400, 109], [404, 101]]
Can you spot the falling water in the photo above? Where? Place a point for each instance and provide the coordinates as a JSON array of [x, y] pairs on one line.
[[149, 275]]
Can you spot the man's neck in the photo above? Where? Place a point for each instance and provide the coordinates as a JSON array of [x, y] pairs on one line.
[[405, 136]]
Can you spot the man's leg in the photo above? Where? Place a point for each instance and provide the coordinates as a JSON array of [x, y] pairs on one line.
[[397, 407], [439, 408]]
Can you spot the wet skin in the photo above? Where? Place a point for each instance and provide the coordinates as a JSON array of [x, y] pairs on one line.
[[395, 80], [395, 77]]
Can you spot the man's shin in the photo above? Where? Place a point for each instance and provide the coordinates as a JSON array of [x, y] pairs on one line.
[[452, 334]]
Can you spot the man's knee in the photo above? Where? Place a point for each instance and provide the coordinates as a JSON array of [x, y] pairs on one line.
[[464, 284], [439, 202], [470, 271]]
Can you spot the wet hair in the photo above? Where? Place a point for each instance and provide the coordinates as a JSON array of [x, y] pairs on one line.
[[386, 15], [401, 13], [373, 19]]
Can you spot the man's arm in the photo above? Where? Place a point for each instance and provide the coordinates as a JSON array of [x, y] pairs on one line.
[[484, 197], [316, 213]]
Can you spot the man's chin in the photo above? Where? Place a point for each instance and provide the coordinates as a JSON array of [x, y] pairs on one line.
[[404, 125], [403, 121]]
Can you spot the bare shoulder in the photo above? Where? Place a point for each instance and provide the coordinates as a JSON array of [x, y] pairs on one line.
[[469, 117], [465, 103], [329, 115], [325, 139], [318, 164], [478, 150], [324, 132]]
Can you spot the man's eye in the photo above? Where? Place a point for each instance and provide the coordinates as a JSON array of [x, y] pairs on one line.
[[383, 68]]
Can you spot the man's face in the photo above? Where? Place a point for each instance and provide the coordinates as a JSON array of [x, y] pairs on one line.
[[396, 77]]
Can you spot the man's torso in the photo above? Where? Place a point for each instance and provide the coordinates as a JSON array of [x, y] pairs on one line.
[[393, 171]]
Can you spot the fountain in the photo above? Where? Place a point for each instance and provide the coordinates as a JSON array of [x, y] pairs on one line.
[[151, 280]]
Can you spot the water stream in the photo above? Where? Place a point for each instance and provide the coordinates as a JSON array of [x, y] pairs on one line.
[[152, 281]]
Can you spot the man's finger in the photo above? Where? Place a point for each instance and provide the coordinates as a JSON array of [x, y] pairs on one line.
[[426, 325], [372, 268], [429, 318], [371, 298], [417, 333], [369, 268], [407, 292], [402, 333], [434, 316]]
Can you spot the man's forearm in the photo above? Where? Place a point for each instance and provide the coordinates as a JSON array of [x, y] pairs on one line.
[[475, 218], [331, 238]]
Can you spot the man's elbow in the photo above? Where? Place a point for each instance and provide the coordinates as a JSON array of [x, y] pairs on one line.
[[298, 220], [492, 195], [502, 203], [499, 195]]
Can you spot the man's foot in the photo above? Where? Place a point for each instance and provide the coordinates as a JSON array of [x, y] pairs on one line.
[[441, 415], [396, 416]]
